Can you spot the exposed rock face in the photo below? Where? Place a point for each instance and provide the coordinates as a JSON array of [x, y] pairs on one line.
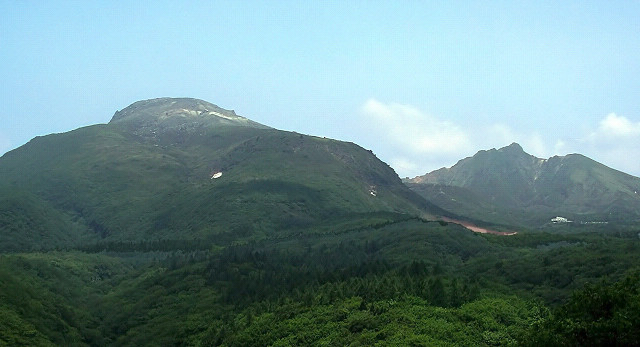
[[157, 116]]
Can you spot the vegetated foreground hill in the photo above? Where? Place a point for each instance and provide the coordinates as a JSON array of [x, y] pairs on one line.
[[172, 169], [509, 186]]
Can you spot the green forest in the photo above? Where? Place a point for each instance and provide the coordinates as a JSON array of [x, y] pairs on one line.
[[380, 280], [121, 235]]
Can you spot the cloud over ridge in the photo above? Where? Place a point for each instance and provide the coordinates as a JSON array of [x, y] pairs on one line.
[[618, 126], [414, 142], [418, 131]]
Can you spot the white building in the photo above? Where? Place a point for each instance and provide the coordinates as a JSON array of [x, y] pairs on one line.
[[560, 220]]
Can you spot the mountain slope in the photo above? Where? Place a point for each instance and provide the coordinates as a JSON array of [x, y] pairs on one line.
[[510, 186], [186, 169]]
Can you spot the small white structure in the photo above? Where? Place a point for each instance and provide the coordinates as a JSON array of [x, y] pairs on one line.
[[560, 220]]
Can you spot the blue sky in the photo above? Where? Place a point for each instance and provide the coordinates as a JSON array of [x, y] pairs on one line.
[[422, 84]]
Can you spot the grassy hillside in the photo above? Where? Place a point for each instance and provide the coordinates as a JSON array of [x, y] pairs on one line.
[[143, 178]]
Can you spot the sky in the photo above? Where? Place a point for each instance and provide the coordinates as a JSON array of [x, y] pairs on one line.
[[420, 83]]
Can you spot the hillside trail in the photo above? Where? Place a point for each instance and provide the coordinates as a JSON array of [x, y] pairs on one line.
[[477, 229]]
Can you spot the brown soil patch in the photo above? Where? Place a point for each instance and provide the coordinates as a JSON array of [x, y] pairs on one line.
[[477, 229]]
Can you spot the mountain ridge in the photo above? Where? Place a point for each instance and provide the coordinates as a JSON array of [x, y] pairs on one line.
[[508, 179]]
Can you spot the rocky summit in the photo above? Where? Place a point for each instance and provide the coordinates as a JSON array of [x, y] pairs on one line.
[[156, 116]]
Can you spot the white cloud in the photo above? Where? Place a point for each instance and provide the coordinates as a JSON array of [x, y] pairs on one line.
[[420, 133], [559, 148], [414, 142], [535, 145], [615, 142], [618, 126]]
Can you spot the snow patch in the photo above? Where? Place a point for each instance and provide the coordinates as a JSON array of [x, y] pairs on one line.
[[218, 114]]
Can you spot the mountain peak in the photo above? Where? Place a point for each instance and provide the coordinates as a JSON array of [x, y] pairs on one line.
[[164, 108], [162, 114], [514, 147], [507, 178]]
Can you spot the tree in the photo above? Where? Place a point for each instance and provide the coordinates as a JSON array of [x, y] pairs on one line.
[[598, 315]]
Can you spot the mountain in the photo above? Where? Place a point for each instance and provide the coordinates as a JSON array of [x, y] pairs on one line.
[[185, 169], [181, 223], [509, 186]]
